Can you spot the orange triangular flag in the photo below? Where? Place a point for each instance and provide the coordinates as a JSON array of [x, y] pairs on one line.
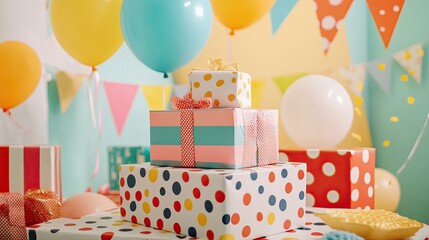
[[331, 14], [68, 85], [385, 15]]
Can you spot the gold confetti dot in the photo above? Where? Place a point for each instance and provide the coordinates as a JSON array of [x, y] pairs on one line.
[[413, 72], [394, 119], [233, 80], [231, 97], [411, 100], [404, 77], [208, 94], [196, 84], [358, 111], [356, 136], [381, 66], [407, 55], [216, 102], [220, 83], [120, 168], [421, 52], [386, 143], [358, 100], [207, 77], [360, 86]]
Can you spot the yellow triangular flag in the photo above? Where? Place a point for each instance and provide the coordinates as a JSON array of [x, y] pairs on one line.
[[68, 85], [157, 96], [258, 87], [284, 82]]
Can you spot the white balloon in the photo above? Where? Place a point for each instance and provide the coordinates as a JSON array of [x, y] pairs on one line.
[[316, 112]]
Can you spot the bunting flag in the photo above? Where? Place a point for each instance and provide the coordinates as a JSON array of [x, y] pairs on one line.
[[331, 14], [380, 71], [157, 96], [279, 13], [284, 82], [353, 75], [385, 15], [257, 87], [411, 60], [120, 97], [68, 85]]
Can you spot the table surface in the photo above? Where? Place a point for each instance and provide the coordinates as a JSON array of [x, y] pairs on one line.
[[108, 225]]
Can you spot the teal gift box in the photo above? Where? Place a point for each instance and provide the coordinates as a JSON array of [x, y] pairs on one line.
[[124, 155]]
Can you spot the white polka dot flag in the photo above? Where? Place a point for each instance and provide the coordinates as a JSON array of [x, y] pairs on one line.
[[331, 14], [385, 15], [380, 71], [411, 60], [353, 75]]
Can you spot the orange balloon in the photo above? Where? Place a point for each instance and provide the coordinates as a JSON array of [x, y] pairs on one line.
[[20, 71], [238, 14], [387, 191]]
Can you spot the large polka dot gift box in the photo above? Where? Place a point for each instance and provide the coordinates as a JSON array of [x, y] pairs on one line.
[[226, 88], [337, 178], [215, 204]]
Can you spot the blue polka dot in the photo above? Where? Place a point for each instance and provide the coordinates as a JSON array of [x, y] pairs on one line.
[[131, 181], [181, 236], [229, 177], [167, 213], [133, 206], [284, 173], [308, 212], [282, 205], [301, 195], [32, 235], [226, 218], [177, 188], [238, 185], [162, 191], [272, 200], [125, 230], [209, 206], [254, 176], [142, 172], [166, 175], [319, 223], [304, 228], [55, 230], [261, 189], [192, 232]]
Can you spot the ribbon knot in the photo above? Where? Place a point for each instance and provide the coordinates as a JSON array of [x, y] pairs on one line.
[[187, 102], [215, 64]]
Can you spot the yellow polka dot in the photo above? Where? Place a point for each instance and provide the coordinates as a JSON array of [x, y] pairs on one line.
[[233, 80], [411, 100], [208, 94], [132, 168], [120, 168], [271, 218], [146, 192], [404, 77], [421, 52], [231, 97], [220, 83], [239, 92], [196, 84], [244, 85], [413, 72], [227, 237], [381, 66], [360, 86], [216, 102], [153, 174], [358, 100], [117, 224], [407, 55], [146, 207], [188, 204], [202, 219], [207, 77], [386, 143], [115, 213], [394, 119]]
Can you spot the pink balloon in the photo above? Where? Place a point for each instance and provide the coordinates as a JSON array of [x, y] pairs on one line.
[[86, 203]]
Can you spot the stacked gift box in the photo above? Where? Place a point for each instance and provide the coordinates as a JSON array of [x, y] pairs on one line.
[[214, 171]]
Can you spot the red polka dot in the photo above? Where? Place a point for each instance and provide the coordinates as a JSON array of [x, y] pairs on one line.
[[85, 229], [138, 195], [122, 182], [107, 236], [220, 196], [185, 176], [317, 234], [235, 218], [245, 232], [123, 212], [177, 206], [159, 224], [272, 177], [146, 232], [120, 200], [35, 226], [134, 219], [291, 231], [197, 193], [247, 199], [205, 180], [127, 195], [287, 224], [70, 224], [177, 228], [300, 174], [146, 222], [155, 202], [210, 235], [259, 216], [288, 187], [300, 212]]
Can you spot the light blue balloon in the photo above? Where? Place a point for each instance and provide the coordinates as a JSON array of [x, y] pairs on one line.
[[166, 34]]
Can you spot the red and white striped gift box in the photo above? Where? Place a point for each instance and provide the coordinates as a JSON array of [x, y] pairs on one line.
[[28, 167]]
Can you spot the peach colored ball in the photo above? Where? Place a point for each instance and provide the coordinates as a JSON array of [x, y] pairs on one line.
[[86, 203]]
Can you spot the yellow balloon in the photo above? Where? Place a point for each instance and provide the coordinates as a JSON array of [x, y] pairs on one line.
[[89, 30], [20, 71], [238, 14], [387, 191]]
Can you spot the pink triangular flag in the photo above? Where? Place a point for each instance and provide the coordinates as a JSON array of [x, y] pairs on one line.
[[120, 97]]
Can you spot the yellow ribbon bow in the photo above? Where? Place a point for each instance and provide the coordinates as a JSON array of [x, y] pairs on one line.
[[215, 64]]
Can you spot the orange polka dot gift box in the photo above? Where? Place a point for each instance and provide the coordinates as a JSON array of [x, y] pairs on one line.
[[213, 203], [337, 178]]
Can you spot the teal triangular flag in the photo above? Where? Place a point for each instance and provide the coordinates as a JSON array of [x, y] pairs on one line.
[[380, 70], [279, 12]]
